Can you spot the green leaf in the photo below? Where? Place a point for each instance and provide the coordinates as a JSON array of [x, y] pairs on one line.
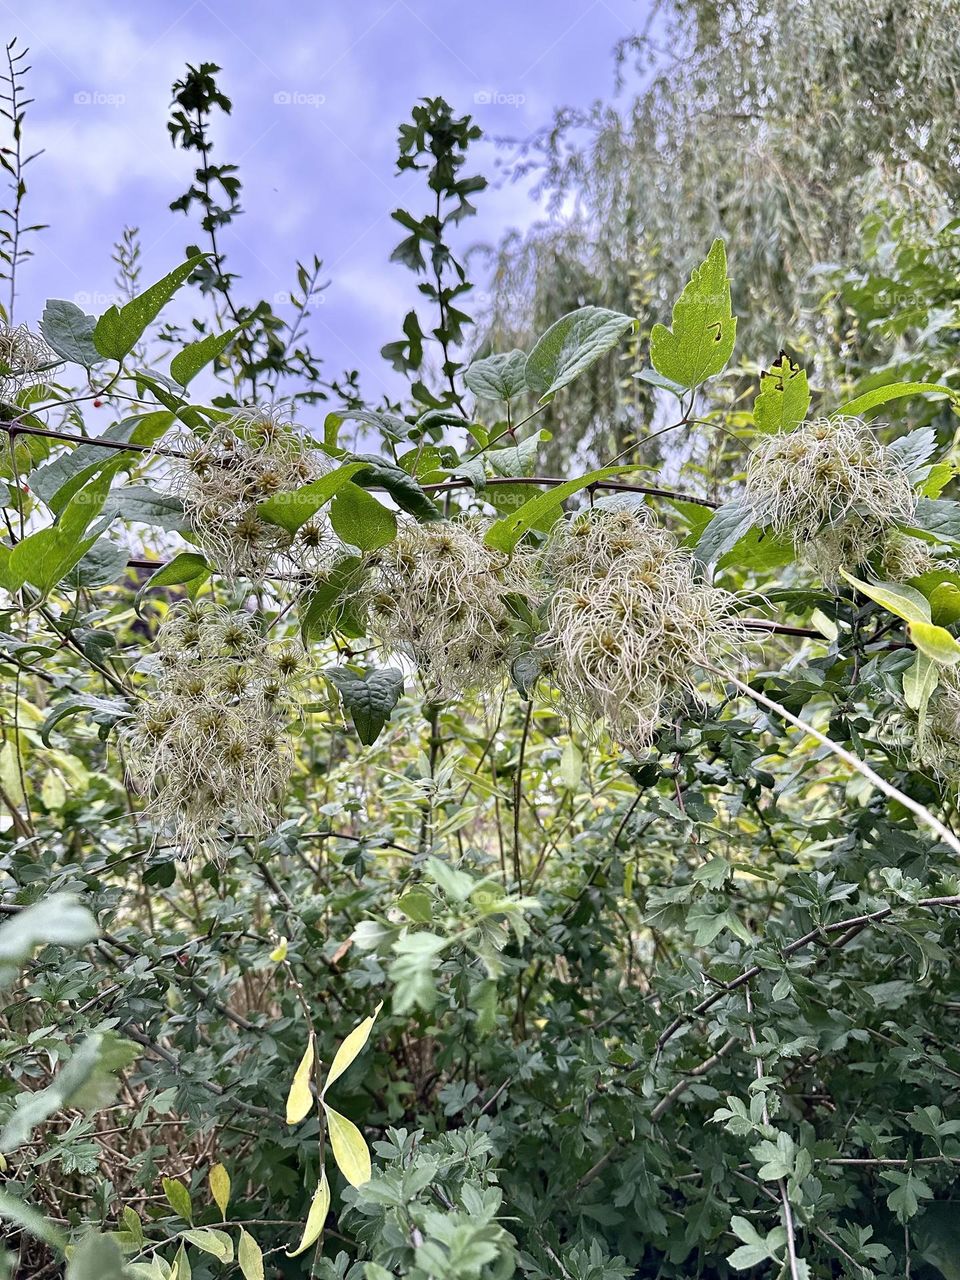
[[349, 1148], [727, 526], [178, 1197], [919, 681], [361, 521], [370, 698], [96, 1257], [249, 1256], [187, 363], [892, 391], [572, 345], [503, 535], [498, 377], [913, 451], [186, 566], [784, 397], [704, 330], [349, 1049], [24, 1216], [119, 329], [938, 516], [936, 642], [57, 920], [217, 1243], [291, 510], [402, 488], [316, 1217], [33, 1108], [316, 606], [909, 1190], [906, 602], [69, 332], [300, 1097]]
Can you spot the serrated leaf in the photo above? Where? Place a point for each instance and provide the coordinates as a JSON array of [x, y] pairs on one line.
[[349, 1148], [349, 1048], [220, 1188], [119, 329], [360, 521], [571, 345], [300, 1097], [704, 330], [784, 397], [370, 698], [186, 364], [316, 1216], [498, 377], [249, 1256]]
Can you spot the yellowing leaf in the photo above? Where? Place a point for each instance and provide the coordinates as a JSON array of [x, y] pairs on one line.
[[349, 1148], [220, 1188], [317, 1216], [53, 793], [178, 1197], [906, 602], [300, 1097], [249, 1257], [936, 642], [350, 1047], [279, 952]]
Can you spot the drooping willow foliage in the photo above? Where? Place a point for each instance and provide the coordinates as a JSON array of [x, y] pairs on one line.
[[776, 125]]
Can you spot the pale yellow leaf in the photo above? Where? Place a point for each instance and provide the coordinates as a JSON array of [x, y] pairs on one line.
[[300, 1097], [53, 793], [249, 1257], [349, 1148], [217, 1243], [220, 1188], [279, 952], [350, 1047], [317, 1216]]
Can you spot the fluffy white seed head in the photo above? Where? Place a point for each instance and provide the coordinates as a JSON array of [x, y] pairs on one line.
[[937, 742], [631, 629], [905, 557], [207, 743], [832, 486], [24, 356], [437, 595], [227, 472]]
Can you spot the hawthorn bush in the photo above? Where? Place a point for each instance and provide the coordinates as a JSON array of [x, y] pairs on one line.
[[418, 866]]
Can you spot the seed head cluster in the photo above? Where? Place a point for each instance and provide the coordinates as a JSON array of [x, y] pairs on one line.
[[208, 743], [23, 357], [223, 476], [832, 486], [439, 596], [631, 630]]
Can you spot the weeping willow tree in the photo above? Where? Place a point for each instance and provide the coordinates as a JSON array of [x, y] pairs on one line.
[[775, 125]]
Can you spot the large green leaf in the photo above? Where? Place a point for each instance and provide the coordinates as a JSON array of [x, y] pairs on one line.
[[69, 332], [360, 520], [58, 920], [571, 345], [119, 329], [291, 510], [727, 526], [498, 377], [58, 481], [45, 557], [704, 330], [370, 698]]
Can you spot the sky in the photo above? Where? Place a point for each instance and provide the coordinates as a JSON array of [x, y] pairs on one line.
[[318, 91]]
